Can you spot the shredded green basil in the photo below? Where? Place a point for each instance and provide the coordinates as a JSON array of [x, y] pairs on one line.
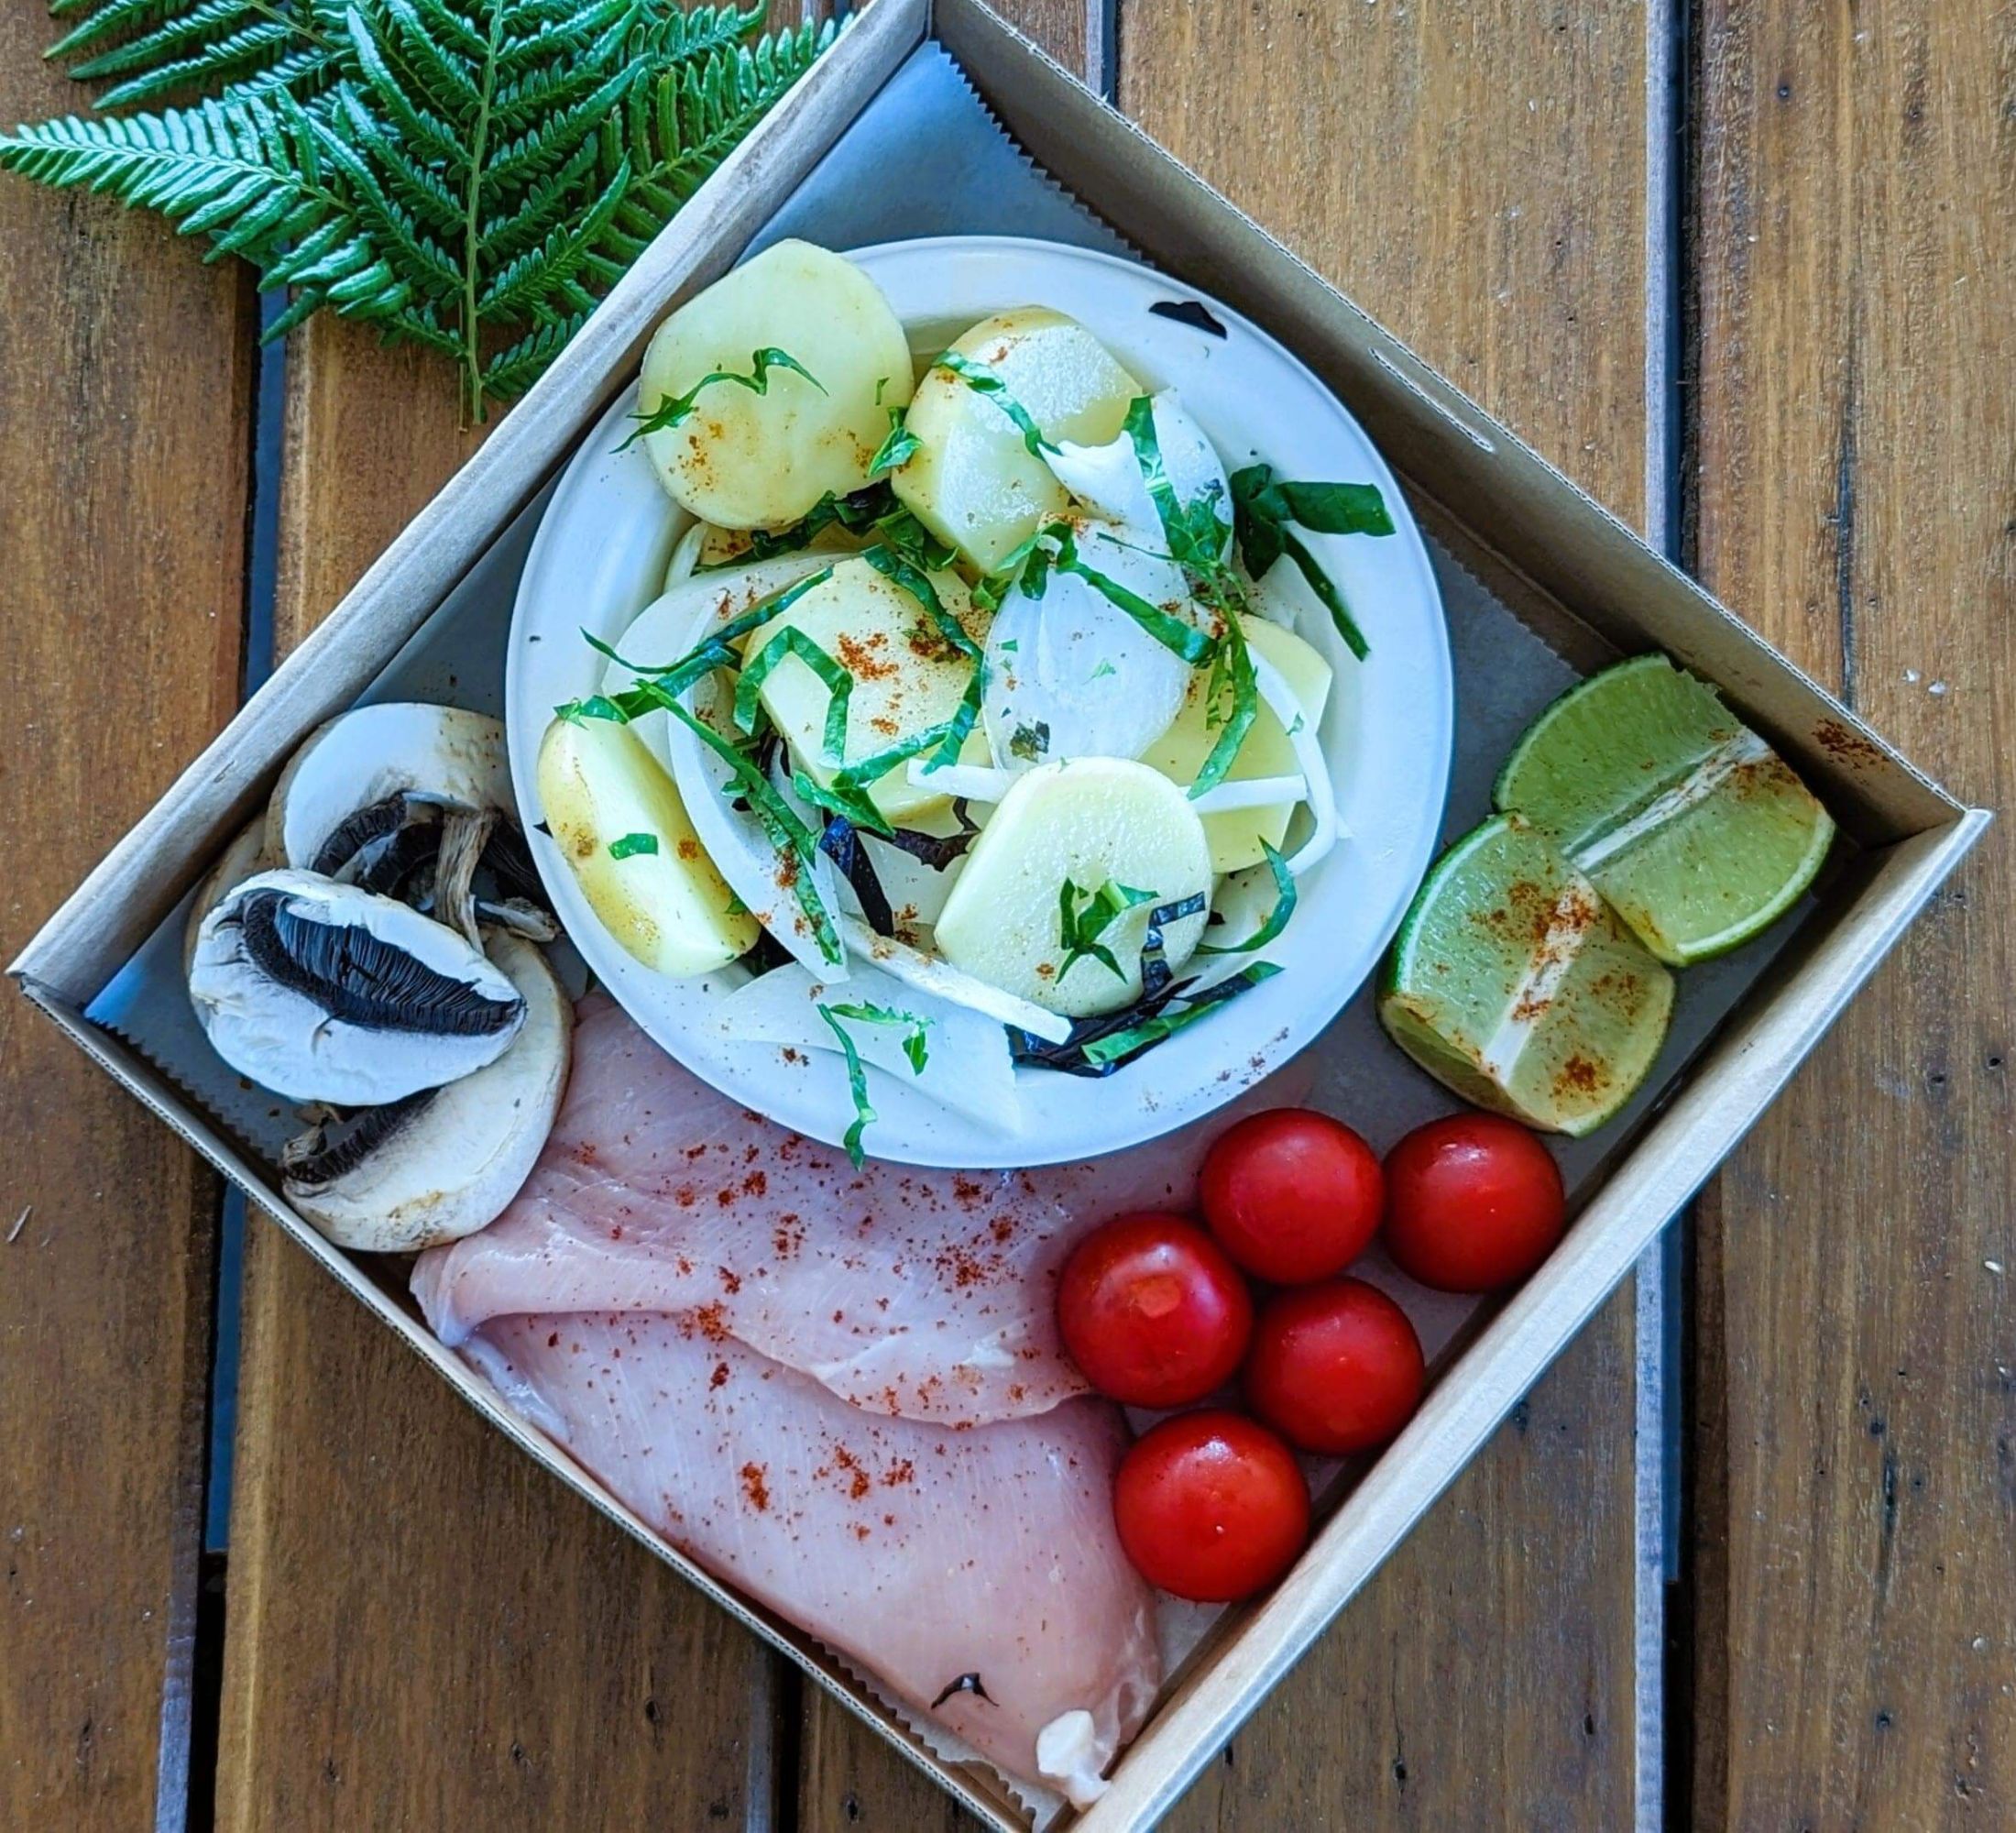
[[1083, 916], [981, 379], [1263, 509], [898, 447], [1177, 634], [837, 679], [628, 846], [1278, 918], [856, 1086], [675, 408], [1119, 1046], [915, 1044]]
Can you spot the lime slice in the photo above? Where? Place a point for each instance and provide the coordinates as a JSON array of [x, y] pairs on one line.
[[1696, 831], [1514, 985]]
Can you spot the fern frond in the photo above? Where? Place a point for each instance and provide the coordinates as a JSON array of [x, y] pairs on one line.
[[160, 47], [469, 175]]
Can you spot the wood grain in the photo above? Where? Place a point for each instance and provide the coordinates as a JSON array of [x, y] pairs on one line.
[[123, 473], [423, 1629], [1855, 1441], [1475, 175]]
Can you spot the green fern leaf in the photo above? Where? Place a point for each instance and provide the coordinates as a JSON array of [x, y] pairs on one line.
[[469, 175]]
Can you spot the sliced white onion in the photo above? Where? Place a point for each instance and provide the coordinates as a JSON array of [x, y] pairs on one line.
[[1303, 735], [968, 782], [736, 842], [1070, 673], [929, 975], [1107, 479], [968, 1066], [686, 557]]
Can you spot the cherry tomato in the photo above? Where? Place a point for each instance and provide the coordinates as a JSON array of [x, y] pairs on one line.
[[1472, 1203], [1152, 1313], [1211, 1507], [1292, 1195], [1335, 1368]]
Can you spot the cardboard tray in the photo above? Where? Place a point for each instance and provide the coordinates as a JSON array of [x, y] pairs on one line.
[[1568, 567]]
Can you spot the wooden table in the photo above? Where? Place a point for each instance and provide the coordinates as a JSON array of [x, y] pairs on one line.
[[1743, 268]]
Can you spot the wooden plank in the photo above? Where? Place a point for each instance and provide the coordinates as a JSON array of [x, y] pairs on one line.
[[1856, 1272], [502, 1658], [124, 392], [1475, 176]]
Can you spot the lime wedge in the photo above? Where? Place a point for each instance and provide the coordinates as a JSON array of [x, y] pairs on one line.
[[1696, 831], [1514, 985]]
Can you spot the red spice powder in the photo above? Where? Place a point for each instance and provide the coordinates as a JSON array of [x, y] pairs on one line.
[[719, 1378], [755, 1487]]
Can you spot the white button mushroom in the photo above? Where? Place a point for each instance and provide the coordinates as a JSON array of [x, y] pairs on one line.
[[324, 992], [443, 1163]]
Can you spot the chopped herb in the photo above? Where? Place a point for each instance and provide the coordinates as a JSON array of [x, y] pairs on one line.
[[1101, 672], [994, 586], [901, 531], [736, 907], [901, 569], [897, 448], [1120, 1047], [856, 1086], [598, 707], [840, 687], [1030, 742], [716, 649], [856, 512], [1232, 705], [845, 799], [1083, 916], [1011, 647], [674, 409], [1185, 638], [882, 382], [786, 832], [1263, 510], [981, 379], [1277, 918], [914, 1046], [628, 845]]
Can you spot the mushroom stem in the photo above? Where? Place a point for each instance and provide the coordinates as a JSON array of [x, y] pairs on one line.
[[463, 835]]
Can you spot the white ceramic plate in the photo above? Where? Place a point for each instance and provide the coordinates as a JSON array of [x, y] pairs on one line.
[[599, 559]]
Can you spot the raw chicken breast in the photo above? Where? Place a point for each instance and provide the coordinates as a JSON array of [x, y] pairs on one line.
[[923, 1294], [976, 1573]]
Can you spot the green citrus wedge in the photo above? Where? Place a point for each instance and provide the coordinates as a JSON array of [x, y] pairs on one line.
[[1514, 984], [1696, 831]]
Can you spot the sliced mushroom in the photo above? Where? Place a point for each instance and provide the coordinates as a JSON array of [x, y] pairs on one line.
[[245, 856], [323, 992], [441, 1164], [366, 774]]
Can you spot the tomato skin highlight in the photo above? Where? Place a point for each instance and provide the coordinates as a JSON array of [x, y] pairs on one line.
[[1473, 1203], [1211, 1507], [1336, 1368], [1152, 1313], [1292, 1195]]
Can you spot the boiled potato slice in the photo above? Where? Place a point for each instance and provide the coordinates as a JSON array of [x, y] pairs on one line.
[[974, 482], [604, 796], [1090, 821], [907, 677], [747, 460], [1179, 753]]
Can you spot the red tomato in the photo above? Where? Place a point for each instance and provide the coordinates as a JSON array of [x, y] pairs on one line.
[[1211, 1507], [1292, 1195], [1472, 1203], [1335, 1368], [1152, 1312]]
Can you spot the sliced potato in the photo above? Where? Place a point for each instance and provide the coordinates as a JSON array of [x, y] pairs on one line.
[[747, 460], [973, 482], [617, 820], [1179, 753], [1091, 821], [907, 676]]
